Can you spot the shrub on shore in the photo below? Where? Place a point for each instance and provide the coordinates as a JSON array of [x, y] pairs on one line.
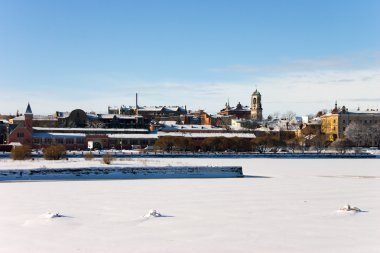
[[89, 156], [20, 152], [107, 158], [54, 152]]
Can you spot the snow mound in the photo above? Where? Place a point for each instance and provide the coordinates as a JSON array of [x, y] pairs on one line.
[[153, 213], [52, 215], [351, 209]]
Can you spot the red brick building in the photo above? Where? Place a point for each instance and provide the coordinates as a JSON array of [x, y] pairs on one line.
[[239, 112], [23, 132], [77, 138]]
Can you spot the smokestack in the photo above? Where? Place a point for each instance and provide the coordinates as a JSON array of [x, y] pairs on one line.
[[137, 107], [136, 113]]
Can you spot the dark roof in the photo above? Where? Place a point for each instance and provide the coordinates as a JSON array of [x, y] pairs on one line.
[[256, 92], [28, 110]]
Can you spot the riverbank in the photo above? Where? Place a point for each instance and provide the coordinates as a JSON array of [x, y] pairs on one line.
[[136, 154]]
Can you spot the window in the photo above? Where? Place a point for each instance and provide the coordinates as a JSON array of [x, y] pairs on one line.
[[80, 141], [37, 141], [344, 128], [69, 141], [59, 140], [48, 141], [20, 135]]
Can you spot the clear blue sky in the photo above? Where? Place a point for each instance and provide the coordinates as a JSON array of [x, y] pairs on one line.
[[62, 55]]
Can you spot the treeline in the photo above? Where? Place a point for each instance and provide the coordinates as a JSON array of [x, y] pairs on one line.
[[262, 144], [364, 135]]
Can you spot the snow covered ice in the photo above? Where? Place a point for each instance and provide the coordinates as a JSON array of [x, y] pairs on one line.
[[283, 205]]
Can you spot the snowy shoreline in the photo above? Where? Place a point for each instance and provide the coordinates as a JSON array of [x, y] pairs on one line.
[[217, 155]]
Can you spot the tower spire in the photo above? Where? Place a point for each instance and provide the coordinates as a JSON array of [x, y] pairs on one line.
[[28, 109]]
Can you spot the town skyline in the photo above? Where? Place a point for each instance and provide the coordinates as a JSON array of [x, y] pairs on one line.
[[90, 55]]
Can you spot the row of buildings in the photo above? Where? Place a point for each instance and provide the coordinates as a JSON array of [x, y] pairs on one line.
[[125, 127], [140, 126]]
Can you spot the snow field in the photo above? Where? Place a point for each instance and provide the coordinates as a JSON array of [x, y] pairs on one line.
[[282, 206]]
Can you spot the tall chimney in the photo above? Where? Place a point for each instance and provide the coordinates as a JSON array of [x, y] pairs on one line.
[[137, 107]]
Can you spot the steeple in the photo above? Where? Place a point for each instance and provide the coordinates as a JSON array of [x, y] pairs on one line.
[[28, 109], [28, 117], [335, 110]]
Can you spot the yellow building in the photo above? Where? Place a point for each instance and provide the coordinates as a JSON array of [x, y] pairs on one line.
[[335, 123], [330, 126]]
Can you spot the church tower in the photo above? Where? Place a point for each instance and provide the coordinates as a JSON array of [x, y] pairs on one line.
[[28, 117], [256, 109]]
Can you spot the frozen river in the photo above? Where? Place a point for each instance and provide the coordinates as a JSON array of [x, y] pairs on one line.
[[285, 205]]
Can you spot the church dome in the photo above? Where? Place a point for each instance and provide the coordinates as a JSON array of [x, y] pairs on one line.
[[256, 93]]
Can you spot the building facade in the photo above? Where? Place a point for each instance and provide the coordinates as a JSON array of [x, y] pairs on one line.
[[335, 123], [239, 111]]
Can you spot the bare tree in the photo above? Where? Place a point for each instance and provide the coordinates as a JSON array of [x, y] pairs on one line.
[[342, 145], [376, 135], [293, 144], [261, 144], [289, 115], [319, 142], [357, 133], [372, 135]]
